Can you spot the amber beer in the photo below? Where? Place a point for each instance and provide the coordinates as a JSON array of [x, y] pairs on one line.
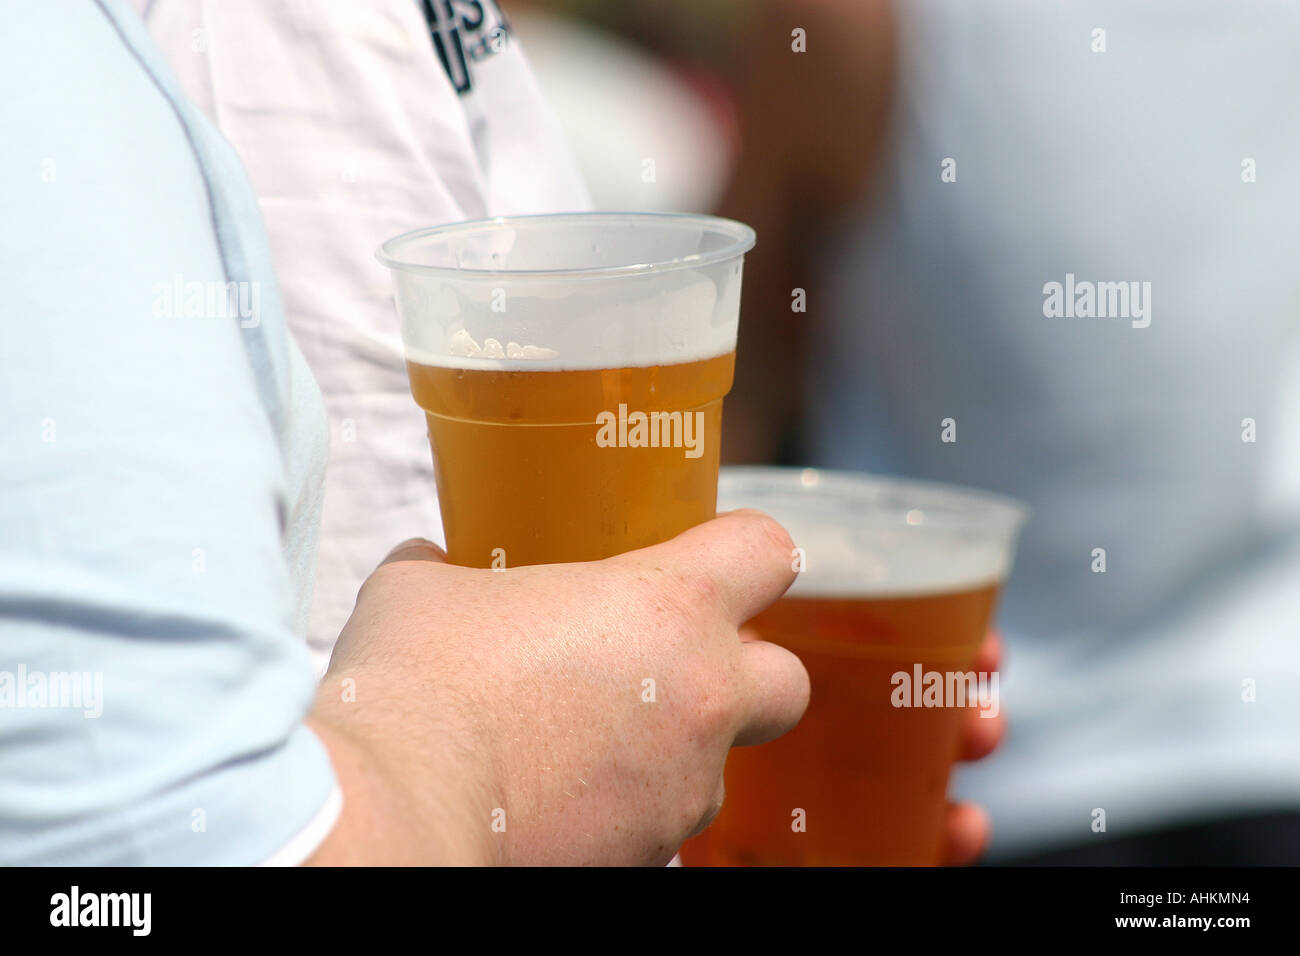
[[532, 466], [901, 579], [571, 369], [871, 778]]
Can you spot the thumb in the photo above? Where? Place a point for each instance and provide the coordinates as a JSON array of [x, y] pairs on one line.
[[743, 557], [415, 549]]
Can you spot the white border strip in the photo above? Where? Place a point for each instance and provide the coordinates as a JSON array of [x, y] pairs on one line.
[[310, 837]]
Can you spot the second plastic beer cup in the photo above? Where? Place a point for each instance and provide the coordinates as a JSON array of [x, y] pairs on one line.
[[896, 590], [572, 370]]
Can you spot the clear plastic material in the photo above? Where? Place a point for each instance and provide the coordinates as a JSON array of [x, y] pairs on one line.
[[897, 587], [870, 536], [572, 370], [574, 291]]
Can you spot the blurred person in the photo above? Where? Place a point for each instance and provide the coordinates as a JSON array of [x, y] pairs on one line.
[[357, 122], [926, 210], [672, 153]]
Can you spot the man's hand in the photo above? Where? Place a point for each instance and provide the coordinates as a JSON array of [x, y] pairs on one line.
[[571, 714], [966, 829]]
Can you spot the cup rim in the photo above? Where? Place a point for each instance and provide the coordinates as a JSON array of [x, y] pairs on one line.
[[991, 510], [742, 240]]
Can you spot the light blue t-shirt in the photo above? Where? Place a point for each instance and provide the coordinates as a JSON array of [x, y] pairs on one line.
[[1153, 616], [162, 449]]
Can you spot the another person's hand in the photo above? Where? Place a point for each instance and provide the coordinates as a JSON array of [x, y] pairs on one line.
[[568, 714], [967, 827]]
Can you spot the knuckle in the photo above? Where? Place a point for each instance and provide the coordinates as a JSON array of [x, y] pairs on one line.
[[685, 601], [703, 809], [368, 587], [717, 706], [705, 589], [672, 599], [714, 714]]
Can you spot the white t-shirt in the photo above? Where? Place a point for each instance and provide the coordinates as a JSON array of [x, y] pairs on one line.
[[356, 122]]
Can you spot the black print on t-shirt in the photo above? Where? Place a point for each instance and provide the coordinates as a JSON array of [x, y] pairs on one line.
[[465, 32]]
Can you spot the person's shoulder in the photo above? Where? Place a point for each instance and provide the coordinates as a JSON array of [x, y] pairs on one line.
[[96, 150], [83, 73]]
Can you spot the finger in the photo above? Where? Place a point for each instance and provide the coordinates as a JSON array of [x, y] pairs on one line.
[[980, 735], [966, 832], [776, 690], [711, 814], [415, 549], [989, 656], [743, 557]]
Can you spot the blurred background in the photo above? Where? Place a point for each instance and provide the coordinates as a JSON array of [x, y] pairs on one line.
[[919, 175]]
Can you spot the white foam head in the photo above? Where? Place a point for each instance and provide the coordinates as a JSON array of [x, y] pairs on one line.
[[577, 291], [863, 536]]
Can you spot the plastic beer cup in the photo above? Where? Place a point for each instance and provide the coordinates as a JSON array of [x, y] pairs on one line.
[[897, 591], [572, 370]]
